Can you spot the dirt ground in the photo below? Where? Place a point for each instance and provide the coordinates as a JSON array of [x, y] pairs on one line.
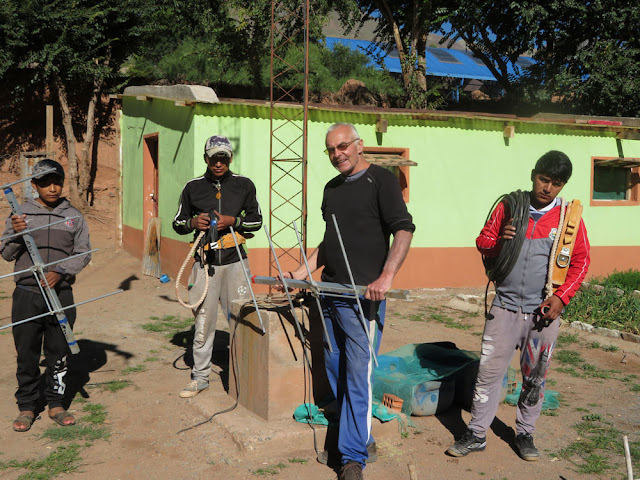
[[144, 417]]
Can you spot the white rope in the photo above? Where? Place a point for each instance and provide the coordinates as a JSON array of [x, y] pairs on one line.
[[552, 259], [196, 243]]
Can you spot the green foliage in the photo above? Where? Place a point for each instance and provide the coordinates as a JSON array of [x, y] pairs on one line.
[[270, 469], [97, 413], [628, 280], [597, 442], [169, 325], [566, 339], [76, 432], [63, 460], [605, 309], [134, 369]]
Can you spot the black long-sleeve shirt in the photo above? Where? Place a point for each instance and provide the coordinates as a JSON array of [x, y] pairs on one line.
[[368, 211], [237, 199]]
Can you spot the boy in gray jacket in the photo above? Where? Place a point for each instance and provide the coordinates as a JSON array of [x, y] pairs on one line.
[[44, 334]]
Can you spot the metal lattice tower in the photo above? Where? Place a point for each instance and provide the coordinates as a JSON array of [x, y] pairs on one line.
[[288, 123]]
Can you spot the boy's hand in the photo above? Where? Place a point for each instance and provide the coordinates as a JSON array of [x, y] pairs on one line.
[[509, 232], [202, 222], [19, 223], [224, 221], [553, 308], [51, 278]]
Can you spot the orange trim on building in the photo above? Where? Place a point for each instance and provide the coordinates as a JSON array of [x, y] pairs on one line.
[[423, 268]]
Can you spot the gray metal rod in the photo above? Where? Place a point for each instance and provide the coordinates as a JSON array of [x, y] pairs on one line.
[[313, 283], [293, 310], [246, 277], [30, 269], [325, 287], [7, 185], [355, 292], [61, 309], [38, 228], [32, 248]]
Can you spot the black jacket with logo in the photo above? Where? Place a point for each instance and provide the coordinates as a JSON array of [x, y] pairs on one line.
[[237, 199]]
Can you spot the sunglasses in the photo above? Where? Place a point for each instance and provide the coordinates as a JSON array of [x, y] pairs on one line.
[[341, 147]]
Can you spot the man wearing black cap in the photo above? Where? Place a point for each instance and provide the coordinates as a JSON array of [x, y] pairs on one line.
[[218, 200], [55, 243]]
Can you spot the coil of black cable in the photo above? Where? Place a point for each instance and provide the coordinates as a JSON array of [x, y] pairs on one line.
[[517, 208]]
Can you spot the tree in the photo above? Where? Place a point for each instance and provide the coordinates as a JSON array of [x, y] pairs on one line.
[[405, 24], [587, 53], [588, 57], [70, 48]]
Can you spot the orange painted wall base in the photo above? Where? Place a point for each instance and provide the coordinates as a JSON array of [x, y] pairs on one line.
[[423, 268]]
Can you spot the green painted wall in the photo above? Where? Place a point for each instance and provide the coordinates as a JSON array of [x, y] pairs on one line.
[[463, 165]]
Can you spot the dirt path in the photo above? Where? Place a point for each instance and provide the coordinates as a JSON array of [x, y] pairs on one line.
[[143, 417]]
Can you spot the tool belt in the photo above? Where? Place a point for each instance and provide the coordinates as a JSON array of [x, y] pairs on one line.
[[225, 241], [570, 228]]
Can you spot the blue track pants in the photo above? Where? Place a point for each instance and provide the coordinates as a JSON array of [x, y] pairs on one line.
[[350, 369]]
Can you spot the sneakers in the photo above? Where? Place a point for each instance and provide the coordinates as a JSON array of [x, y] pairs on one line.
[[525, 447], [467, 444], [351, 471], [193, 388], [326, 457]]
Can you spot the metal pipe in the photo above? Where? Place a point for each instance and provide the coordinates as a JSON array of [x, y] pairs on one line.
[[246, 277], [66, 219], [61, 309], [357, 297], [313, 284]]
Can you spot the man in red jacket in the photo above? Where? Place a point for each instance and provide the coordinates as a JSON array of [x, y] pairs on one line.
[[521, 316]]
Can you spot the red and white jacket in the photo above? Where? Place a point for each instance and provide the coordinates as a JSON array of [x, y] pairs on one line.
[[524, 287]]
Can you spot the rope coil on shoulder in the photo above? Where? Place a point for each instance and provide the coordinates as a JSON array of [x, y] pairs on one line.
[[517, 207], [196, 244]]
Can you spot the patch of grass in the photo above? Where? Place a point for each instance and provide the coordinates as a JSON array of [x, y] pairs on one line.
[[79, 398], [597, 441], [75, 432], [605, 309], [169, 325], [566, 339], [610, 348], [628, 280], [550, 413], [416, 318], [551, 382], [136, 369], [151, 359], [635, 388], [298, 460], [270, 470], [594, 345], [629, 378], [154, 351], [580, 409], [63, 460], [448, 321], [97, 413], [568, 357], [112, 386]]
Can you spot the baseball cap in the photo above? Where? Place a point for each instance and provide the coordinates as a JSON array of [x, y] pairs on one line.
[[47, 164], [217, 144]]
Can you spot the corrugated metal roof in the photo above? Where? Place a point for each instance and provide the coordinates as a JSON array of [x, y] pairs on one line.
[[441, 62]]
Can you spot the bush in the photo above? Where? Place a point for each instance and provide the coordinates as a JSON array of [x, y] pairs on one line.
[[628, 280]]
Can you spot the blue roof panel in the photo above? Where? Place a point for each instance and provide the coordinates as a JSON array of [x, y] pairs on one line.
[[439, 61]]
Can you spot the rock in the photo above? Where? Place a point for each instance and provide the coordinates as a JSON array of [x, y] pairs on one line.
[[607, 332], [630, 337], [463, 306], [585, 327]]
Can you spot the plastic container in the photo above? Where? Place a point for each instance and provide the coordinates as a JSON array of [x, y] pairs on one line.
[[434, 397], [164, 278]]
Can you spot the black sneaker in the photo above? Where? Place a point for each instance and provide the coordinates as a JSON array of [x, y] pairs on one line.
[[525, 448], [351, 471], [467, 444]]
